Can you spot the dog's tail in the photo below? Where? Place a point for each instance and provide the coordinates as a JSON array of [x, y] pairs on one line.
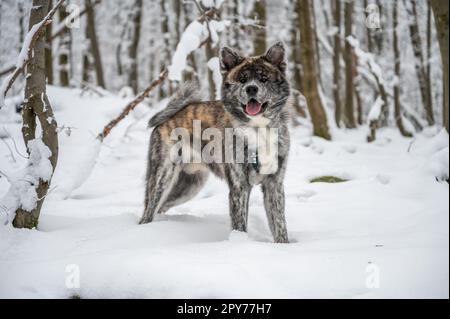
[[187, 94]]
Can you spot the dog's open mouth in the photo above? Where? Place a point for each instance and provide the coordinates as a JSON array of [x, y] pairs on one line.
[[253, 107]]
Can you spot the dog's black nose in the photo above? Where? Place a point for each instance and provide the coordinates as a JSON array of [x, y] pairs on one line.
[[252, 90]]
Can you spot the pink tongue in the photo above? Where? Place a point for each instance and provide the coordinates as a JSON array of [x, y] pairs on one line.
[[253, 108]]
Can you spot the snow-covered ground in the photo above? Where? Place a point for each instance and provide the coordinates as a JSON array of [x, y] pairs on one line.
[[382, 234]]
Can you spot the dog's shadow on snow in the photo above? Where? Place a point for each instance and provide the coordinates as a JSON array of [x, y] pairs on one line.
[[219, 226]]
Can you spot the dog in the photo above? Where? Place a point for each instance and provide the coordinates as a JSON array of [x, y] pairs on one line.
[[255, 95]]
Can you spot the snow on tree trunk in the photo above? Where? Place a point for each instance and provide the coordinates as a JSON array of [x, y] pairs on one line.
[[43, 151]]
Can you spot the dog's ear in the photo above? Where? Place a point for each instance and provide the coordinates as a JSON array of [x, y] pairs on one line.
[[229, 59], [276, 56]]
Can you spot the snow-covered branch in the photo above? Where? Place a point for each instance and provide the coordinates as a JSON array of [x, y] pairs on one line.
[[26, 52], [197, 34]]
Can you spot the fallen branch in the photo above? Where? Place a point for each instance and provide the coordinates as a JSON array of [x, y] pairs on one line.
[[132, 105], [26, 52]]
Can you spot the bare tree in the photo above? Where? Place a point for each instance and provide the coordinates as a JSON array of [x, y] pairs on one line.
[[349, 67], [37, 106], [92, 58], [135, 34], [440, 9], [421, 69], [166, 49], [310, 77], [260, 14], [20, 8], [337, 61], [296, 62], [49, 50], [64, 49], [397, 104]]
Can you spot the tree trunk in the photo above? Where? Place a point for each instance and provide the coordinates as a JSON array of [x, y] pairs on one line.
[[49, 50], [259, 12], [421, 70], [349, 65], [357, 91], [64, 48], [397, 104], [316, 43], [440, 9], [21, 23], [166, 57], [94, 49], [368, 30], [310, 78], [189, 75], [132, 72], [337, 63], [37, 105], [210, 53], [296, 65], [237, 27]]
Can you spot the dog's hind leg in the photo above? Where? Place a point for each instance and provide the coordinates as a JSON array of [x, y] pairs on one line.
[[186, 188], [162, 175], [159, 188]]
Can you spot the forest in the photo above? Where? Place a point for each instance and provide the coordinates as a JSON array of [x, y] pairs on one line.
[[366, 183]]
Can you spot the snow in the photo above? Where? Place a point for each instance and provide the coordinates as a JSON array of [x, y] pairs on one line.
[[212, 3], [214, 66], [24, 51], [390, 219], [191, 39], [194, 34], [22, 191], [375, 111]]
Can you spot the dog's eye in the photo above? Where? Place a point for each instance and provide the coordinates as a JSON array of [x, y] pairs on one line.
[[243, 80], [263, 80]]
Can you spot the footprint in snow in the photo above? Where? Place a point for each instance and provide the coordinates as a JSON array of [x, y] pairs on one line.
[[383, 179]]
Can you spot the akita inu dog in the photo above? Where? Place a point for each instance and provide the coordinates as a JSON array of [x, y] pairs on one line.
[[255, 94]]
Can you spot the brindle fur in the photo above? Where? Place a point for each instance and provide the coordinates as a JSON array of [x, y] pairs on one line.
[[170, 184]]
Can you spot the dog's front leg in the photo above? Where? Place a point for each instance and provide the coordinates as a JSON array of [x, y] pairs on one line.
[[239, 198], [274, 203]]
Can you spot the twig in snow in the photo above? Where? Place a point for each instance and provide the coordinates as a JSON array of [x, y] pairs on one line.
[[14, 143], [10, 150]]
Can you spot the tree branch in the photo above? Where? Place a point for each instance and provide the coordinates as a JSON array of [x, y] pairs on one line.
[[132, 105], [21, 65]]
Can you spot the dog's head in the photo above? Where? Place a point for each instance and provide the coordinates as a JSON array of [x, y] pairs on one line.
[[254, 86]]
